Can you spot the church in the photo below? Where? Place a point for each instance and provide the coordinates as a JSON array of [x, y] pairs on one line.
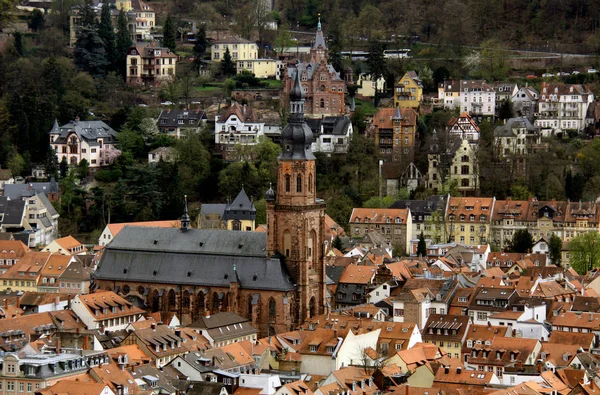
[[323, 87], [275, 279]]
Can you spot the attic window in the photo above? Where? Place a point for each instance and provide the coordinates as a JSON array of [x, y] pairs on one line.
[[155, 242], [154, 273], [201, 244], [226, 276], [254, 277], [189, 274]]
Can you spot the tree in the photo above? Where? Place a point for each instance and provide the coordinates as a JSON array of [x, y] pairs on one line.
[[83, 169], [584, 252], [63, 167], [6, 12], [37, 20], [107, 34], [149, 130], [51, 163], [90, 55], [16, 164], [88, 15], [227, 65], [337, 244], [283, 42], [422, 246], [170, 34], [554, 249], [200, 46], [123, 42], [521, 242], [376, 61], [19, 43]]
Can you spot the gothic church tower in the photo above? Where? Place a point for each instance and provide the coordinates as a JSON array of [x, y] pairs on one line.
[[295, 217]]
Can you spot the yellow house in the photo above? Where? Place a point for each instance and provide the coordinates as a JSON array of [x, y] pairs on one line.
[[468, 220], [24, 275], [261, 68], [241, 213], [408, 92], [239, 48]]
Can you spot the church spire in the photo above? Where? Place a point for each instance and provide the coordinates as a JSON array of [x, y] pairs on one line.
[[296, 137], [185, 218], [319, 38]]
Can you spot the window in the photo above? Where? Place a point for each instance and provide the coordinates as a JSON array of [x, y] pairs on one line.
[[299, 184], [481, 315], [288, 181], [28, 387], [399, 312], [21, 387]]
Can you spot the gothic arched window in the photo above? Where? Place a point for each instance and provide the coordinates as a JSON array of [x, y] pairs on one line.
[[272, 309], [310, 181], [299, 183], [288, 182]]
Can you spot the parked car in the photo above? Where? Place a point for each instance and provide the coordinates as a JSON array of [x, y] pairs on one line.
[[562, 74], [547, 75], [592, 71], [167, 103], [575, 72], [531, 77]]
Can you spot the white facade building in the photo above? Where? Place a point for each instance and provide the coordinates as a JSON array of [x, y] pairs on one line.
[[563, 107]]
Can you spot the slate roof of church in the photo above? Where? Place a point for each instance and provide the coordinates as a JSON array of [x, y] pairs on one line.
[[241, 208], [196, 257]]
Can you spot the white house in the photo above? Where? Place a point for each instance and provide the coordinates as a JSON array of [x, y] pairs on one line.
[[525, 102], [177, 123], [331, 134], [93, 141], [111, 230], [516, 137], [477, 98], [105, 311], [563, 107], [67, 245], [240, 126], [166, 154]]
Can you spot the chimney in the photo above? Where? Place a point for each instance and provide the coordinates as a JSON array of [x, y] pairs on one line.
[[207, 314], [58, 345], [86, 342], [18, 302], [6, 304], [153, 326], [178, 332]]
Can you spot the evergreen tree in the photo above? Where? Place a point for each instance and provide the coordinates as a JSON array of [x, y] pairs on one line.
[[107, 34], [89, 53], [521, 242], [123, 42], [376, 61], [422, 246], [169, 34], [337, 244], [88, 15], [19, 43], [200, 46], [36, 23], [227, 65]]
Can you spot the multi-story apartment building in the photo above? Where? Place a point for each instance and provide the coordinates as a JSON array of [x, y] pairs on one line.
[[563, 107], [453, 166], [542, 219], [31, 372], [427, 216], [78, 140], [149, 65], [408, 92], [239, 49], [468, 220], [394, 133], [486, 301], [105, 310], [476, 97], [394, 224], [516, 137], [25, 275], [367, 86], [504, 92], [177, 123], [239, 126], [448, 332]]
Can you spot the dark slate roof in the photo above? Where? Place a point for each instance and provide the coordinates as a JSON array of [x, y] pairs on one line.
[[335, 272], [44, 200], [196, 257], [23, 237], [89, 131], [218, 320], [11, 210], [310, 69], [422, 207], [18, 191], [208, 209], [337, 126], [351, 294], [241, 208], [171, 118], [506, 130]]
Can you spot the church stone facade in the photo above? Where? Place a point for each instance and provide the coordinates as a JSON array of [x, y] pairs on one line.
[[276, 280]]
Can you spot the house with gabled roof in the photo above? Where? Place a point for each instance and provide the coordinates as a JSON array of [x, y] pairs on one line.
[[78, 140], [105, 310], [148, 64], [178, 123], [240, 125], [525, 102], [111, 230], [11, 251], [67, 245], [54, 268], [563, 107], [224, 328], [447, 332], [408, 91], [25, 274], [394, 224], [464, 128]]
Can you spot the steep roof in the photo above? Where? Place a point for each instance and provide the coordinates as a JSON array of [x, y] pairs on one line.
[[13, 212], [241, 208], [17, 191], [195, 257], [172, 118], [379, 215], [116, 228], [384, 117], [355, 274], [68, 242], [89, 131]]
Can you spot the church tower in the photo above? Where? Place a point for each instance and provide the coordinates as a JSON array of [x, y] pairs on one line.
[[319, 51], [295, 217]]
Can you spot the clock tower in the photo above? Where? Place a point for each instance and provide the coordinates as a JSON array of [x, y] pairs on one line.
[[295, 217]]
